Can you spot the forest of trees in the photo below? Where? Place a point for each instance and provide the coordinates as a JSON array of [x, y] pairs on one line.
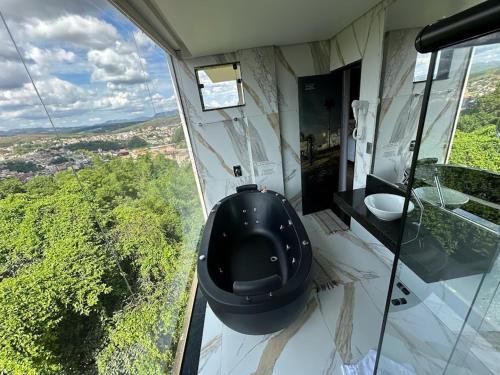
[[95, 266], [134, 142], [476, 142], [19, 165]]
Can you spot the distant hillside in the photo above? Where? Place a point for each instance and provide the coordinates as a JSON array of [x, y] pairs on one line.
[[156, 122], [160, 119], [475, 75]]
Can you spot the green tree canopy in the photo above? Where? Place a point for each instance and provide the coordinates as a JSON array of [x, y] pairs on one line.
[[94, 267]]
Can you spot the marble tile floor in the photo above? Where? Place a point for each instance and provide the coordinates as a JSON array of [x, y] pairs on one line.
[[342, 320]]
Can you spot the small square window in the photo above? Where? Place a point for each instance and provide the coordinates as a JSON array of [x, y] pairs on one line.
[[220, 86], [443, 65]]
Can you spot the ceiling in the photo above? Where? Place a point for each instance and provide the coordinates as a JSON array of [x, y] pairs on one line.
[[201, 27], [405, 14]]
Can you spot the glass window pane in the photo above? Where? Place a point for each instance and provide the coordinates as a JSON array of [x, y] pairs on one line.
[[99, 210], [443, 65], [220, 86]]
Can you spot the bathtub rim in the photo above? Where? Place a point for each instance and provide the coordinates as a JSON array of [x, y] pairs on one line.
[[294, 287]]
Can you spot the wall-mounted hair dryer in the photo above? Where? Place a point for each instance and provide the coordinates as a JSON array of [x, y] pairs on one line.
[[359, 106]]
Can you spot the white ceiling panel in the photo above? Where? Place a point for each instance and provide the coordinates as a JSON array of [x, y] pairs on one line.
[[206, 27]]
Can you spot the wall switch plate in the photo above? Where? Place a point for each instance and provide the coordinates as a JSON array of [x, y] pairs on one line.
[[369, 148], [237, 171], [412, 145], [402, 298]]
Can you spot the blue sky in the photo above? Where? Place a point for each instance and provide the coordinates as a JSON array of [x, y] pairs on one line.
[[89, 63]]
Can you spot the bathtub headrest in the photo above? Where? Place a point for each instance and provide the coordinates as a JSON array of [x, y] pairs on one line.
[[255, 287], [241, 188]]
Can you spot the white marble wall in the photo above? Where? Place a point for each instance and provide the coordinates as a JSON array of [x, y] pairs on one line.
[[271, 94], [219, 142], [401, 103], [362, 40], [292, 62]]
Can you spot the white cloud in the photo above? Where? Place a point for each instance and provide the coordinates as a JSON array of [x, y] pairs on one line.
[[142, 40], [18, 97], [49, 56], [112, 66], [7, 52], [164, 104], [87, 69], [487, 53], [31, 113], [115, 101], [13, 75], [55, 91], [81, 31], [64, 99], [50, 9]]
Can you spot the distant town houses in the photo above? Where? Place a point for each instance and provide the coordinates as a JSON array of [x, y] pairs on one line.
[[479, 87], [48, 155]]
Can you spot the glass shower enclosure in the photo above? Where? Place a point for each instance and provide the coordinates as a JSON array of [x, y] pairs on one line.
[[443, 309]]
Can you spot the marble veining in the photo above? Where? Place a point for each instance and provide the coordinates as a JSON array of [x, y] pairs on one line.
[[320, 53], [276, 344], [401, 103], [343, 331]]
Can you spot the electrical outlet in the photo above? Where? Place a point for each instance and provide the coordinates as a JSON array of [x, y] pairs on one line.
[[369, 148], [237, 171]]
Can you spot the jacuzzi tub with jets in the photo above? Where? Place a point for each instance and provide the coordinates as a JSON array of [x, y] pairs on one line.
[[254, 261]]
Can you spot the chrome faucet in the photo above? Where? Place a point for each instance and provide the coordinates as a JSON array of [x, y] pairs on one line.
[[438, 187], [421, 207]]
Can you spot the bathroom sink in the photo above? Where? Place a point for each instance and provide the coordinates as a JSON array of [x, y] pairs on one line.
[[387, 206], [451, 197]]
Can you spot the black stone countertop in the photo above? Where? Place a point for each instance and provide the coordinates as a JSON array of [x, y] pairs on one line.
[[429, 262], [352, 203], [423, 252]]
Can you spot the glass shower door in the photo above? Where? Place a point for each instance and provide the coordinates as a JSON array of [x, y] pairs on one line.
[[479, 340], [443, 314]]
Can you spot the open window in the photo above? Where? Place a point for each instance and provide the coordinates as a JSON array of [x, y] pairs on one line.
[[220, 86]]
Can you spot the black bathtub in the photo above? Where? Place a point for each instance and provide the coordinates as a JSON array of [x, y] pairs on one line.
[[254, 261]]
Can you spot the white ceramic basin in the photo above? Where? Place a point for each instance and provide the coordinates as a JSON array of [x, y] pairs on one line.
[[387, 206], [451, 197]]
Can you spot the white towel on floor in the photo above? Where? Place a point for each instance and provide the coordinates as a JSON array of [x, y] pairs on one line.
[[386, 366]]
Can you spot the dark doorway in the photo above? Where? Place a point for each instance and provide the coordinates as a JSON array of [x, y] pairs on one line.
[[320, 120], [325, 121]]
